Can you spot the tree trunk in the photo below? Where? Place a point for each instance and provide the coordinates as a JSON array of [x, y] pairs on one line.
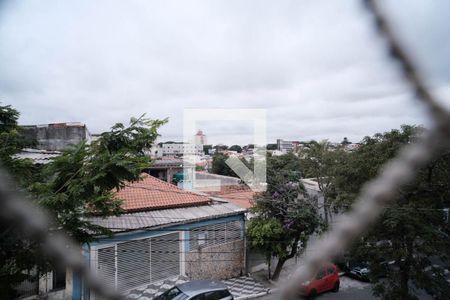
[[405, 269], [404, 278], [278, 268], [281, 261], [325, 210]]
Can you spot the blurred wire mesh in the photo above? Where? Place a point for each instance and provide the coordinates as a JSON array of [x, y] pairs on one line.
[[373, 197], [395, 174]]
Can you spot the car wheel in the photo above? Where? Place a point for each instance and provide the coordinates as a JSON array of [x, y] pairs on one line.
[[312, 294], [336, 287]]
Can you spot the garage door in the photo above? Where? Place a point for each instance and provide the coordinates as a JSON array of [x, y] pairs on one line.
[[165, 256], [136, 263]]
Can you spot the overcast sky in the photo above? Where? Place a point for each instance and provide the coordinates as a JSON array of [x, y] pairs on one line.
[[316, 66]]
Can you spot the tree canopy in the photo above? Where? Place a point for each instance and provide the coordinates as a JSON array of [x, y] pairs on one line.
[[219, 165], [83, 180], [321, 162], [285, 216], [78, 184], [11, 142], [413, 230], [236, 148]]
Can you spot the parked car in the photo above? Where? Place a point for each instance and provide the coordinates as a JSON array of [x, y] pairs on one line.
[[325, 279], [197, 290], [360, 272]]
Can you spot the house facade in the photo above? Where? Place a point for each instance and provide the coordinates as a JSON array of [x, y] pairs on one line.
[[166, 232]]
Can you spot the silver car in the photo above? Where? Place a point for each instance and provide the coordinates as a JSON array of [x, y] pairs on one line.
[[197, 290]]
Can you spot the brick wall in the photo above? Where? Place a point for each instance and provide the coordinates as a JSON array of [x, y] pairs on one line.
[[216, 262]]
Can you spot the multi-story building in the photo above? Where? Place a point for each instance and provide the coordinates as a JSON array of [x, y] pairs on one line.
[[180, 149], [287, 146], [200, 138]]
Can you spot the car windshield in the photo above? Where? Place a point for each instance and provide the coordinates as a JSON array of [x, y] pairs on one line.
[[172, 294]]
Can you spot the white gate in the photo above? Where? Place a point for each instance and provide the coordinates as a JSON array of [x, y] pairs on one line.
[[135, 263]]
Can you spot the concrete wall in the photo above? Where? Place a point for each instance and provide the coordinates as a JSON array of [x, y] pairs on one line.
[[216, 262], [56, 136]]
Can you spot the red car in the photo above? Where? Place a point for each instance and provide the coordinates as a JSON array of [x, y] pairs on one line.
[[324, 280]]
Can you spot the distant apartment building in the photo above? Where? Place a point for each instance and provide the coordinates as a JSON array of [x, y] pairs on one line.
[[180, 148], [57, 136], [200, 138], [287, 146]]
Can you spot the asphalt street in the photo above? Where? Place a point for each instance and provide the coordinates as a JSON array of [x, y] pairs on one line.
[[350, 289]]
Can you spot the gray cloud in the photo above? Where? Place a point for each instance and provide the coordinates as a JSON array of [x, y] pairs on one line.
[[316, 66]]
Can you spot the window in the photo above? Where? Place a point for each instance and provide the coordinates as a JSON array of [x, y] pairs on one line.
[[173, 294], [201, 238], [212, 296], [215, 234], [223, 294], [330, 269], [59, 279], [321, 274]]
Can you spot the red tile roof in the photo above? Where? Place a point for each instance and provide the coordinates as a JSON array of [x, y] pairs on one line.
[[241, 195], [241, 199], [153, 193]]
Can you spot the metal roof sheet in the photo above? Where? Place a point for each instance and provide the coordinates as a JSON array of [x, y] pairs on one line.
[[37, 156], [164, 217]]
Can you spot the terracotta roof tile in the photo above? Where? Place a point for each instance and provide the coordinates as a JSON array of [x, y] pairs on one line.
[[153, 193], [241, 199], [240, 195]]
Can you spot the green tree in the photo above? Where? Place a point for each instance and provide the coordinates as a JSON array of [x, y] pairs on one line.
[[11, 142], [287, 162], [220, 147], [79, 183], [321, 162], [207, 148], [264, 236], [17, 254], [219, 165], [236, 148], [272, 147], [413, 230], [83, 180], [285, 218]]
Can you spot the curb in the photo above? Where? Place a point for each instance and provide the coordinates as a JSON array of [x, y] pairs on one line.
[[252, 296]]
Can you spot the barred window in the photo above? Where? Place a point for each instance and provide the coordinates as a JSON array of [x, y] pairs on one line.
[[215, 234]]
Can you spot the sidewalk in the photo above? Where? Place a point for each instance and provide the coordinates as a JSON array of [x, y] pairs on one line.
[[246, 287], [241, 288], [155, 289]]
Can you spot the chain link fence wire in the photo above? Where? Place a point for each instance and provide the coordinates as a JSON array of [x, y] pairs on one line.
[[376, 194], [35, 223], [393, 175]]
